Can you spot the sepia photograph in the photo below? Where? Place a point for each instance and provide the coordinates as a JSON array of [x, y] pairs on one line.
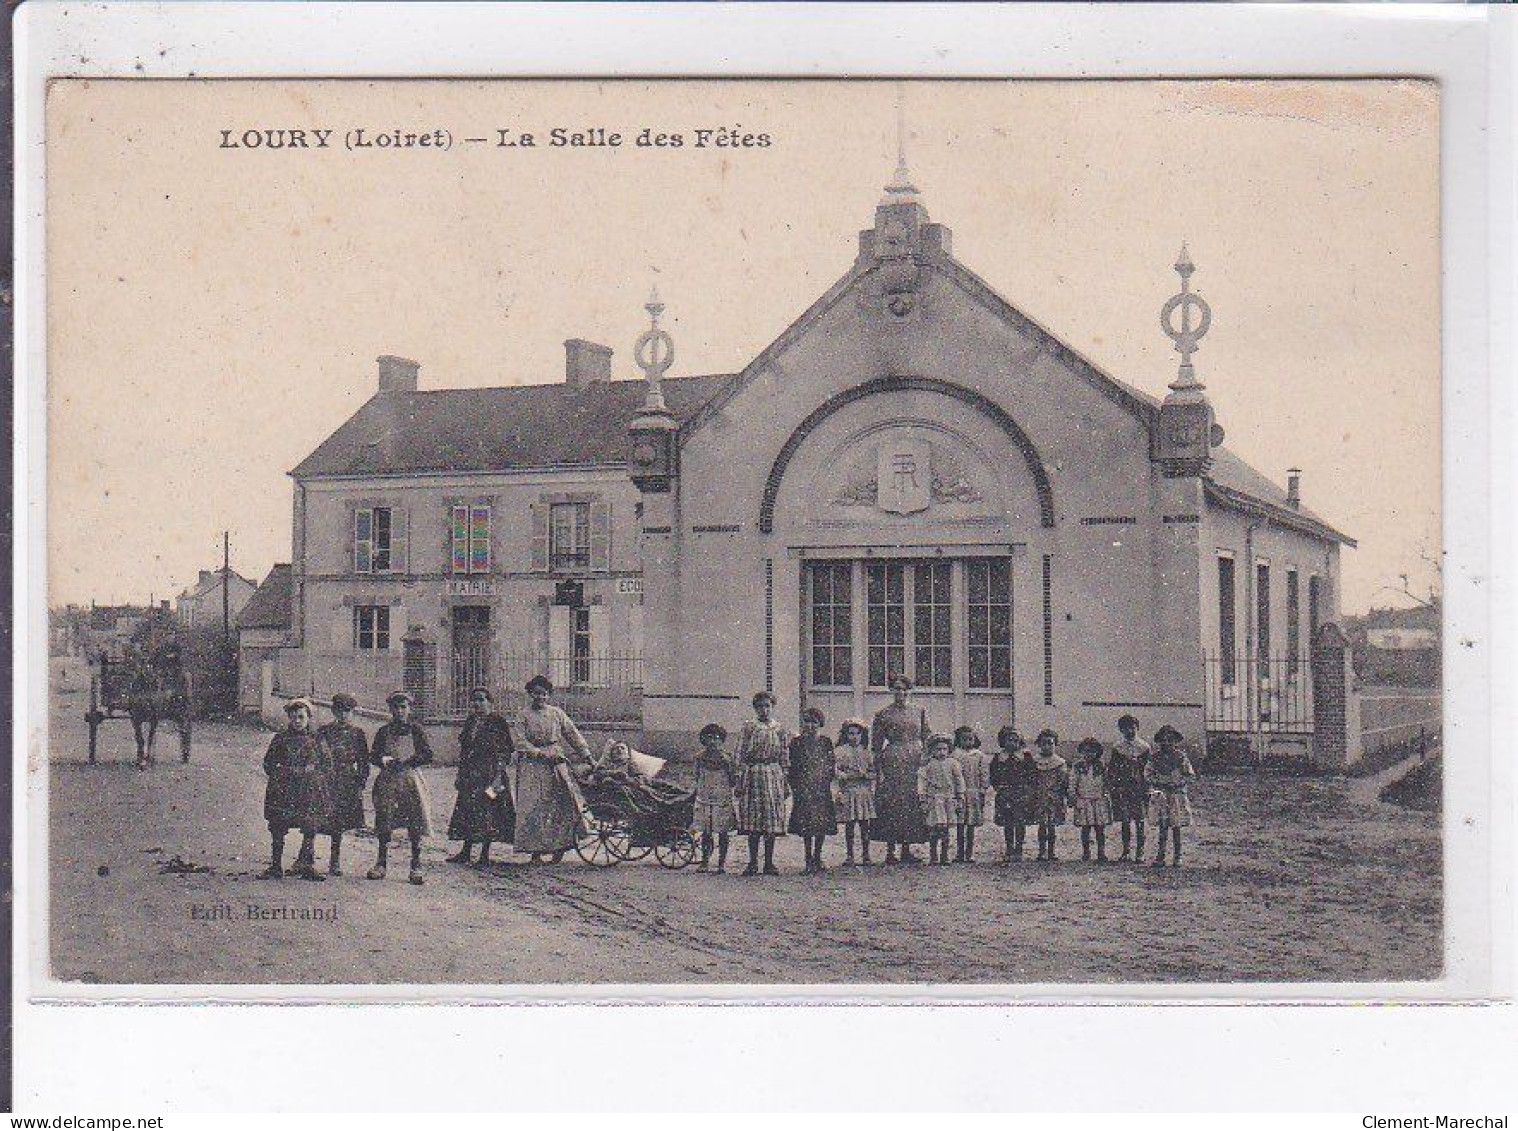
[[743, 533]]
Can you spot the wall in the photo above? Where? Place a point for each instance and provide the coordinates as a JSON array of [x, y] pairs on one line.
[[421, 590]]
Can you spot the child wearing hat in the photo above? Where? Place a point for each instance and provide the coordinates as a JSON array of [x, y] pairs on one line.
[[1012, 776], [1169, 807], [1088, 790], [1127, 787], [348, 755], [1051, 789], [941, 787], [401, 800], [715, 777], [763, 759], [296, 795], [972, 813], [854, 781]]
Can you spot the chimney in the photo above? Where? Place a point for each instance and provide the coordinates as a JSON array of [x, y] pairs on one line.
[[1294, 486], [585, 362], [397, 374]]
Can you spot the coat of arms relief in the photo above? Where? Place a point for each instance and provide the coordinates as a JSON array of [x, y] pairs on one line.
[[908, 475]]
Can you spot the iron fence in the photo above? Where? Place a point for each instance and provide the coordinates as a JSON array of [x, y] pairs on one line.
[[592, 689], [1259, 695]]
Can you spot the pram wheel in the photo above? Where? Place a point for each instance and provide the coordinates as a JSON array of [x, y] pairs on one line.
[[678, 851], [603, 843]]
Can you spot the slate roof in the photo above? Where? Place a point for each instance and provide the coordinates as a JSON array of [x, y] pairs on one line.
[[518, 426], [271, 605]]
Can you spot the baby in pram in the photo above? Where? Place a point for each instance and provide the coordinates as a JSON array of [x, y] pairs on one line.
[[626, 779]]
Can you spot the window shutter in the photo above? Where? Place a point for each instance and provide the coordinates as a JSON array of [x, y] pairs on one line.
[[479, 540], [397, 626], [600, 537], [540, 540], [345, 629], [363, 540], [400, 541], [458, 539]]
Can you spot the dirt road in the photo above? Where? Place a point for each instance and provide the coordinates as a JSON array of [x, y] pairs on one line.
[[1284, 880]]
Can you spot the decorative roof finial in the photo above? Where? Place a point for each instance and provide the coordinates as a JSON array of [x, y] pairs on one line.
[[901, 187], [1186, 336], [654, 352]]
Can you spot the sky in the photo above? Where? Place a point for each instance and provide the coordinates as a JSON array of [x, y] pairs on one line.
[[215, 312]]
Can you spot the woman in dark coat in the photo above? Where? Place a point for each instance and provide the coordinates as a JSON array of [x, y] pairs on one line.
[[897, 737], [811, 771], [347, 750], [400, 795], [296, 796], [484, 812], [1013, 778]]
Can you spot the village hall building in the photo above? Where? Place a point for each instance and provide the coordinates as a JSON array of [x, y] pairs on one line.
[[914, 477]]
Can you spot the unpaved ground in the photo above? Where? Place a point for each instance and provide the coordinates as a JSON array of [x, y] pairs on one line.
[[1285, 879]]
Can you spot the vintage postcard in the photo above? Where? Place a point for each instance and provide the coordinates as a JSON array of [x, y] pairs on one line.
[[844, 534]]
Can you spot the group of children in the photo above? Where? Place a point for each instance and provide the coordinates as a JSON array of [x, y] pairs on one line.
[[1129, 785], [907, 787]]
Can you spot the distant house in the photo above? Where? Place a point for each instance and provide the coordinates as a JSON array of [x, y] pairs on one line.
[[201, 603], [263, 627], [1398, 646]]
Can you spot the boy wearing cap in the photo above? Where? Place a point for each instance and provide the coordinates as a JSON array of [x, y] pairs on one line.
[[347, 749], [400, 794], [295, 797]]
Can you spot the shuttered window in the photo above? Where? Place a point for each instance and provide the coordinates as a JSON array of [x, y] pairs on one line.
[[1262, 612], [1293, 623]]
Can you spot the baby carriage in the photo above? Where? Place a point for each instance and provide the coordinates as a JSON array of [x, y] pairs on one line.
[[630, 814]]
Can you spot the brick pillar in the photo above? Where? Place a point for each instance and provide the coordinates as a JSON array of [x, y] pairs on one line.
[[1335, 703], [419, 673]]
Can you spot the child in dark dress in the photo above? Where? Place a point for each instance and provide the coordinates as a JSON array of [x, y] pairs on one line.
[[1127, 786], [1011, 775], [812, 766], [484, 813], [296, 796]]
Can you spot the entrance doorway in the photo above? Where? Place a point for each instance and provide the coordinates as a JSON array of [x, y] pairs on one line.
[[471, 652]]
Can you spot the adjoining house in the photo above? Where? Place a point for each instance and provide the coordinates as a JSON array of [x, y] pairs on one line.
[[915, 477], [263, 628], [201, 603]]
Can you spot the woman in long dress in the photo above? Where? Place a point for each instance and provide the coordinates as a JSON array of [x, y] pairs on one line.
[[763, 761], [550, 809], [897, 739], [483, 814], [401, 799]]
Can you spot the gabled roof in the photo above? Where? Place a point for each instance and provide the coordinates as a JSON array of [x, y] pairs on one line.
[[499, 429], [271, 605]]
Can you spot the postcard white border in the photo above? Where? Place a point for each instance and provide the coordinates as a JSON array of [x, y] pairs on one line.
[[1467, 48]]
